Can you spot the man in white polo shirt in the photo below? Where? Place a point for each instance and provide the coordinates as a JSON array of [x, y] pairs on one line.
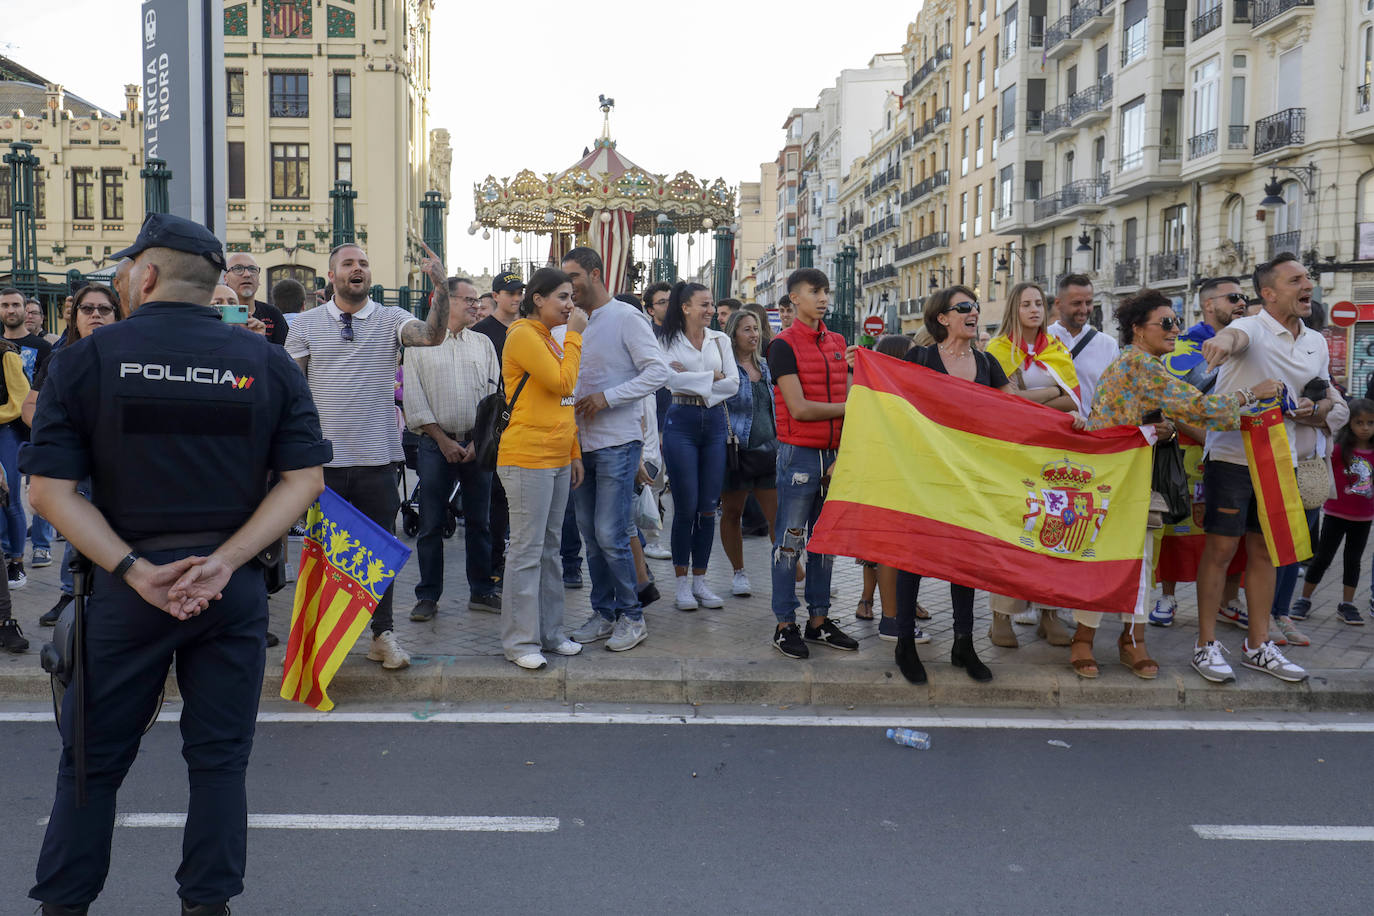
[[348, 350], [1274, 344]]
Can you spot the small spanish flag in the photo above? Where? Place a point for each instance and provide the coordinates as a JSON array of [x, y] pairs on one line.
[[954, 480], [1276, 486], [347, 564]]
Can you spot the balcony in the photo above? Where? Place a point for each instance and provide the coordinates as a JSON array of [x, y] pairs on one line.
[[882, 180], [881, 227], [931, 242], [1057, 123], [1089, 18], [886, 272], [1128, 272], [1059, 42], [905, 252], [289, 105], [1203, 144], [1088, 106], [1280, 242], [1169, 265], [1272, 15], [1075, 197], [1287, 128], [916, 192], [941, 55], [1209, 21]]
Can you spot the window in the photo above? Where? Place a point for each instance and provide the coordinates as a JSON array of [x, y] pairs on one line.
[[963, 159], [982, 72], [1066, 255], [1039, 262], [112, 195], [1171, 124], [343, 162], [1288, 80], [1134, 32], [1174, 229], [1068, 169], [234, 171], [1364, 218], [1102, 64], [343, 95], [982, 14], [968, 22], [1206, 85], [1130, 233], [1133, 135], [83, 194], [978, 145], [1006, 191], [977, 211], [1288, 218], [291, 170], [303, 275], [1175, 23], [1009, 32], [1034, 171], [791, 162], [40, 195], [233, 84], [963, 217], [968, 82], [1235, 219], [290, 95], [1100, 157], [1238, 125], [1362, 78]]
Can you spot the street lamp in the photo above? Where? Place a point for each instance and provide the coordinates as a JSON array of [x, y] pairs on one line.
[[1306, 176]]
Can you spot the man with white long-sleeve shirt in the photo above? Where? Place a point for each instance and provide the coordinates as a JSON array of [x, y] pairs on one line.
[[621, 364]]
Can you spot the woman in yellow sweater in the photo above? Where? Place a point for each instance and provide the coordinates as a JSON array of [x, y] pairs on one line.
[[538, 463], [16, 388]]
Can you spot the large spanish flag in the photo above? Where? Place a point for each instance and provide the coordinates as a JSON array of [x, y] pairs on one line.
[[347, 564], [1276, 485], [957, 481]]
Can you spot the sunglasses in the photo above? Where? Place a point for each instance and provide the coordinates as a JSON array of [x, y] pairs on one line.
[[1233, 298], [963, 308], [346, 330], [105, 311], [1166, 324]]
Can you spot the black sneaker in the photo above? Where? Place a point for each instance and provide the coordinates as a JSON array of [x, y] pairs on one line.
[[11, 637], [50, 618], [788, 641], [491, 604], [273, 639], [205, 909], [831, 635], [54, 909], [424, 610], [16, 574]]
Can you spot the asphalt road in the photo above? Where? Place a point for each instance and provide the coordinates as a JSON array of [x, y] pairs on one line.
[[746, 819]]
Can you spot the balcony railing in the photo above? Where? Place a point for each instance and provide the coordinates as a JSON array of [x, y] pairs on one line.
[[1059, 32], [1287, 128], [1057, 118], [1238, 136], [1083, 13], [1209, 21], [1169, 265], [1128, 272], [1094, 98], [1073, 194], [290, 105], [1280, 242], [1203, 144], [942, 54], [1261, 11], [1362, 99], [886, 224], [908, 250], [916, 192], [931, 242], [1240, 11], [882, 180], [879, 273]]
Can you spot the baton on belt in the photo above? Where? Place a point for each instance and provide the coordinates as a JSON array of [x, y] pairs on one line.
[[65, 661]]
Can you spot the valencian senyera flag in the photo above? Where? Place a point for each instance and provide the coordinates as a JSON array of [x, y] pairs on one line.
[[347, 564], [960, 482], [1275, 482]]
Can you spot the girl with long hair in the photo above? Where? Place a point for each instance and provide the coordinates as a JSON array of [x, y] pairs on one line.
[[752, 420]]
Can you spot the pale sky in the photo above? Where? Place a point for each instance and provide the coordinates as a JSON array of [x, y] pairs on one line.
[[702, 86]]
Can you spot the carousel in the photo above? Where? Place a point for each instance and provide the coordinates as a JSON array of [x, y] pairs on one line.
[[605, 201]]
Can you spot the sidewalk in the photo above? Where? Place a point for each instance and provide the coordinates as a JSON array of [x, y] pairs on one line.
[[725, 656]]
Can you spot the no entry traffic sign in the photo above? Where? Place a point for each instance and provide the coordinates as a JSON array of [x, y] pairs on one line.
[[1344, 314], [873, 325]]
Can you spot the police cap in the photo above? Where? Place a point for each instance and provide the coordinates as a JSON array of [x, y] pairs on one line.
[[163, 230], [507, 282]]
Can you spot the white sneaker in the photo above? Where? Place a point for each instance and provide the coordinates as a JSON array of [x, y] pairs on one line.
[[685, 600], [1207, 661], [1163, 614], [567, 647], [1266, 657], [705, 597], [596, 627], [739, 585], [533, 662], [388, 651], [656, 551], [1029, 618], [628, 634]]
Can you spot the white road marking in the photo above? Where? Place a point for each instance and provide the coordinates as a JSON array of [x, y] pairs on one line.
[[1284, 833], [357, 822], [1363, 725]]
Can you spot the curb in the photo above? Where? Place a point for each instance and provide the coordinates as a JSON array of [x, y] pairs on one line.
[[776, 682]]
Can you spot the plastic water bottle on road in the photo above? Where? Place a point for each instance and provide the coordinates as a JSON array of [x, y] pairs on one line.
[[909, 737]]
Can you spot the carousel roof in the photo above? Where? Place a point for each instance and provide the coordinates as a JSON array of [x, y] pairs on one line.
[[602, 180]]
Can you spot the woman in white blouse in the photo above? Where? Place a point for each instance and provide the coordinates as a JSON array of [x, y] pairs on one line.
[[703, 375]]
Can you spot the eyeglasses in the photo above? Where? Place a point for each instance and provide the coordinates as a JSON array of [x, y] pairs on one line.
[[1166, 324], [105, 311], [963, 308], [346, 330], [251, 270], [1233, 298], [470, 301]]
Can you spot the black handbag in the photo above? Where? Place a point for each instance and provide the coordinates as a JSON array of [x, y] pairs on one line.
[[755, 463], [1170, 480], [493, 416]]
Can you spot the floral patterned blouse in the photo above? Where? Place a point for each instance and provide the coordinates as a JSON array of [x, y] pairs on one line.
[[1137, 383]]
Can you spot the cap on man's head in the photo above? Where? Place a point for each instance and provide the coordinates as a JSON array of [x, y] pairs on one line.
[[508, 282], [163, 230]]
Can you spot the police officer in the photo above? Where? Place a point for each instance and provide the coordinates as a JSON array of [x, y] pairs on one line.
[[177, 419]]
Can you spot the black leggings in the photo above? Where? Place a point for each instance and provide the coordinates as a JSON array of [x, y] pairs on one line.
[[909, 585], [1333, 530]]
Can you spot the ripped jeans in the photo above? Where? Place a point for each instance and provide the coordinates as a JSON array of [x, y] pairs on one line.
[[800, 498]]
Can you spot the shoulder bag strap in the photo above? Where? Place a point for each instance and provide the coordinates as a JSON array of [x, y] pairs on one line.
[[510, 408], [1078, 347]]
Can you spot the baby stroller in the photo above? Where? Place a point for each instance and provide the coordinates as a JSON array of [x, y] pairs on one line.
[[410, 505]]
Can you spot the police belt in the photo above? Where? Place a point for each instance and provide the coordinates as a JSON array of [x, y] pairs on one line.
[[179, 540]]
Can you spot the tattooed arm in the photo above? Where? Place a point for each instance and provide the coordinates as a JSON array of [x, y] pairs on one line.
[[430, 333]]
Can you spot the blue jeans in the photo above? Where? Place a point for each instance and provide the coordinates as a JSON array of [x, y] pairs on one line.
[[694, 453], [437, 477], [15, 533], [605, 514], [570, 544], [800, 497], [1286, 577], [40, 531]]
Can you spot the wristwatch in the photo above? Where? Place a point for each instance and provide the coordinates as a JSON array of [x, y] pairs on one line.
[[122, 570]]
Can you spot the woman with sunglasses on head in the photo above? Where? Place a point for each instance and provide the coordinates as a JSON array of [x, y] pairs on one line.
[[1041, 370], [1131, 388], [94, 306], [951, 317]]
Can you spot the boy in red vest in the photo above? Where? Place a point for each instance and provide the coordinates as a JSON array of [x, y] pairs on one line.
[[810, 368]]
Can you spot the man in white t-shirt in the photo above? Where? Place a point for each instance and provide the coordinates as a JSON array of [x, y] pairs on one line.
[[348, 349], [1272, 345], [1092, 350]]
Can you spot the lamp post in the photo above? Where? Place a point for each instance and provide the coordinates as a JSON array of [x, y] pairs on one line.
[[844, 292], [156, 179], [343, 196], [806, 252], [665, 268], [431, 230], [24, 231], [725, 257]]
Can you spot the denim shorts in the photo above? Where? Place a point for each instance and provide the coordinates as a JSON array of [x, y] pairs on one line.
[[1227, 486]]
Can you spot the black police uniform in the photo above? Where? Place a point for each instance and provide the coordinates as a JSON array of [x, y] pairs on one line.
[[177, 419]]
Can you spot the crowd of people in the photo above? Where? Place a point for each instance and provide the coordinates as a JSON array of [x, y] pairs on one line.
[[615, 402]]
